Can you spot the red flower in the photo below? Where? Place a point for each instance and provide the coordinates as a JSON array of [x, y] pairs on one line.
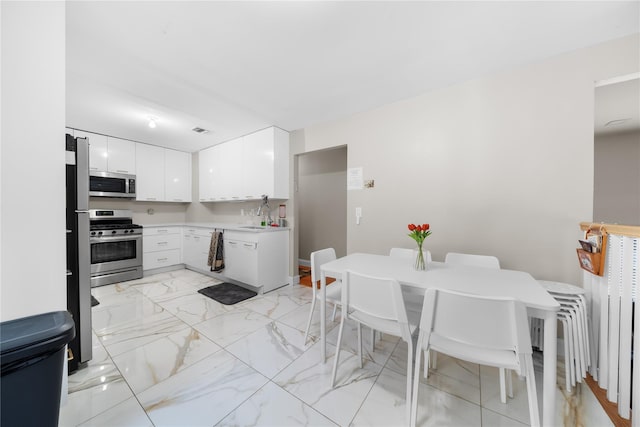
[[419, 232]]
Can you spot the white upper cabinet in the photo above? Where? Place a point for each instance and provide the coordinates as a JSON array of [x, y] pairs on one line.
[[162, 175], [246, 168], [98, 153], [206, 170], [109, 154], [121, 156], [177, 176], [150, 177]]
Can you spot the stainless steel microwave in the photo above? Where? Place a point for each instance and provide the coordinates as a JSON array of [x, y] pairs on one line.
[[109, 184]]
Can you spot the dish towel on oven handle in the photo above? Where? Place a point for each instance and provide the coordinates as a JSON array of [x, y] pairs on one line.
[[216, 253]]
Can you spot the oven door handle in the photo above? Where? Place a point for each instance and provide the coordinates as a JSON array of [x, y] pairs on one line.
[[104, 239]]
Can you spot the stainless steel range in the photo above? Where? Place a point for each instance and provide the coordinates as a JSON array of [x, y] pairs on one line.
[[116, 246]]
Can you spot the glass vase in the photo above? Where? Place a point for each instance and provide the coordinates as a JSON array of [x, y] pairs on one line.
[[420, 264]]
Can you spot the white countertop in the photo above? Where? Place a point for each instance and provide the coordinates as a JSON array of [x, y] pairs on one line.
[[221, 225]]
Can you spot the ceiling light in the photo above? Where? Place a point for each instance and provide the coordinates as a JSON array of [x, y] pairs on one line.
[[152, 123], [200, 130]]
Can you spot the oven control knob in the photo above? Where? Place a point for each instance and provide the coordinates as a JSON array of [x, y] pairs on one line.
[[130, 231], [114, 232], [126, 231], [99, 233], [93, 233]]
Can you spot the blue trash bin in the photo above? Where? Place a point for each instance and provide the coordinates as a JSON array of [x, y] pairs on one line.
[[32, 357]]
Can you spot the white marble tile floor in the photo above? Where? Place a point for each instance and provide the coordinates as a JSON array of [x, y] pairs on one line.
[[165, 355]]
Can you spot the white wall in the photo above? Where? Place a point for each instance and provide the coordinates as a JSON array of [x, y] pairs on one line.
[[500, 165], [616, 198], [33, 256]]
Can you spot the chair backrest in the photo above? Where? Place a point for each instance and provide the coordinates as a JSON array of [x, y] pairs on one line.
[[486, 261], [408, 253], [318, 258], [375, 301], [494, 323]]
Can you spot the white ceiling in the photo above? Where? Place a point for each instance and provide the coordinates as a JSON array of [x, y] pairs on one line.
[[235, 67]]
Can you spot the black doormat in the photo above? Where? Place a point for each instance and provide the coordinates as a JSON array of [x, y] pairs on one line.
[[227, 293], [94, 301]]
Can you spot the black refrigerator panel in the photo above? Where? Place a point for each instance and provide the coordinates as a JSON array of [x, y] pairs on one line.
[[78, 262]]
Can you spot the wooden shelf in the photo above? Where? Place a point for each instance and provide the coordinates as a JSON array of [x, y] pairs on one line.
[[619, 230]]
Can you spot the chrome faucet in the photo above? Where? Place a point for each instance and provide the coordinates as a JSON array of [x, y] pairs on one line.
[[265, 206]]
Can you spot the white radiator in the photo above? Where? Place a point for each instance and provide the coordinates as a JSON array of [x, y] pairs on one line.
[[612, 316]]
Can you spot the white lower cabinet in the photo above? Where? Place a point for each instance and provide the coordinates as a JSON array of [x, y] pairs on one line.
[[257, 259], [196, 242], [161, 247]]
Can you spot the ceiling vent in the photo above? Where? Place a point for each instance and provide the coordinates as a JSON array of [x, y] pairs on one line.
[[200, 130]]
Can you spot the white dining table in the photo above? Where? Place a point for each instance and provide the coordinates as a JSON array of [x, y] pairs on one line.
[[473, 280]]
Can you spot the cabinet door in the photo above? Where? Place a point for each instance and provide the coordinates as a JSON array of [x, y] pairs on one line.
[[122, 156], [241, 261], [206, 168], [177, 175], [97, 150], [150, 173], [258, 156], [188, 249], [230, 170]]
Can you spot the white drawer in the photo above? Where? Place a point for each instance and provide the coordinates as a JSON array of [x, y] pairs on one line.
[[161, 242], [156, 231], [159, 259], [194, 231]]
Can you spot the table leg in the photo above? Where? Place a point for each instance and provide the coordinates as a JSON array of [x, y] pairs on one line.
[[323, 309], [550, 368]]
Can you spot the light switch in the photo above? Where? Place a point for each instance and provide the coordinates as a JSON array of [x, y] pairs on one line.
[[358, 215]]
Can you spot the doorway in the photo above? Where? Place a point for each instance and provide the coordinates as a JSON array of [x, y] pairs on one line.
[[616, 190], [321, 203]]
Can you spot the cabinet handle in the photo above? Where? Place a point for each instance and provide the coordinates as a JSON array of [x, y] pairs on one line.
[[247, 245], [69, 273], [231, 243], [163, 231], [162, 259], [177, 200], [235, 197], [69, 354], [150, 198], [163, 243], [93, 169], [121, 171]]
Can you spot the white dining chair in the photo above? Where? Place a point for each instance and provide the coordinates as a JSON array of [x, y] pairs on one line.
[[409, 254], [377, 303], [493, 331], [472, 260], [332, 290], [484, 261], [575, 321]]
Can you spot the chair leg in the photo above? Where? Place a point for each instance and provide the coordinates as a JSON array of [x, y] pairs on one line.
[[333, 316], [567, 368], [306, 331], [509, 383], [534, 413], [360, 343], [335, 361], [427, 362], [416, 379], [373, 340], [409, 367], [503, 394], [433, 359]]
